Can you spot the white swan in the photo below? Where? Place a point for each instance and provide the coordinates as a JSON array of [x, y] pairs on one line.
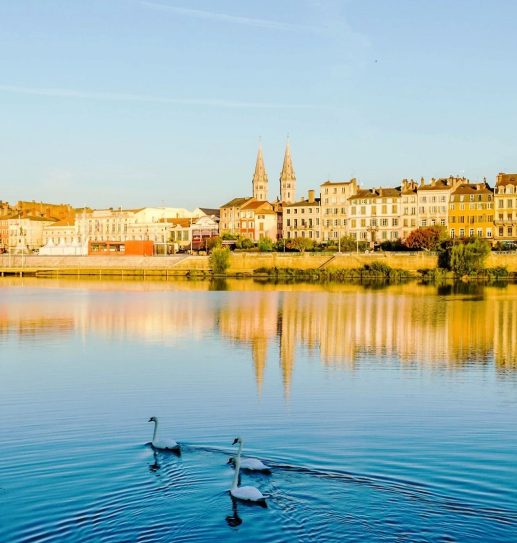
[[245, 493], [162, 444], [250, 464]]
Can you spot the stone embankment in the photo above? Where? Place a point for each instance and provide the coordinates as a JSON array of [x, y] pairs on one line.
[[178, 265]]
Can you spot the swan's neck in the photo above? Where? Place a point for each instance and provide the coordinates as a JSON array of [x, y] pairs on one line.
[[235, 483], [155, 430]]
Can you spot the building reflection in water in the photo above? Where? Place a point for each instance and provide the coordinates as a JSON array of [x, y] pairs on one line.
[[343, 326]]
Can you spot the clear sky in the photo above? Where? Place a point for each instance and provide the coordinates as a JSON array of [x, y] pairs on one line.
[[151, 102]]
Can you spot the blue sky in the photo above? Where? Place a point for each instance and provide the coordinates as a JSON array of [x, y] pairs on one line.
[[151, 102]]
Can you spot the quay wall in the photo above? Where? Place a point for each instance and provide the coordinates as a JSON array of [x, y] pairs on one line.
[[239, 262]]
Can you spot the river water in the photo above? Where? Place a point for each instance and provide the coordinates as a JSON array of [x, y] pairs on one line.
[[385, 413]]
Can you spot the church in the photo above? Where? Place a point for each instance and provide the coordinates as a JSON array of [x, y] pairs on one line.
[[255, 217]]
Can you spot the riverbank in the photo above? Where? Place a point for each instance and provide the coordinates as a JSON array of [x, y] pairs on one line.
[[240, 263]]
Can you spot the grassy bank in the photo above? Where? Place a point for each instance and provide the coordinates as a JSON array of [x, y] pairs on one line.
[[375, 270]]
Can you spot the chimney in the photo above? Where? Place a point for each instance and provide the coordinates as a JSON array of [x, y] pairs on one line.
[[311, 196]]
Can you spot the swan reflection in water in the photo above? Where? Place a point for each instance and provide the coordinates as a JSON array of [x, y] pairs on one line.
[[155, 466], [234, 520]]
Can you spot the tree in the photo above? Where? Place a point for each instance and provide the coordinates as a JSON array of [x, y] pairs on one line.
[[212, 243], [468, 258], [220, 260], [302, 244], [426, 238]]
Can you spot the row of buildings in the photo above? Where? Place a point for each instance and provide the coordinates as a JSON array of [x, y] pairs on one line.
[[62, 230], [374, 215], [337, 209]]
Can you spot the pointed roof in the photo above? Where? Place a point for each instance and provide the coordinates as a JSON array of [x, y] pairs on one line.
[[287, 172], [260, 175]]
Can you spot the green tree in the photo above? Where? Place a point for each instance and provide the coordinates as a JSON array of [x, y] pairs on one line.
[[302, 244], [469, 258], [348, 244], [220, 260], [212, 243], [265, 245]]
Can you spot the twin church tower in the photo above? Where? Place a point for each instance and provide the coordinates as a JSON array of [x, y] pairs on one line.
[[287, 178]]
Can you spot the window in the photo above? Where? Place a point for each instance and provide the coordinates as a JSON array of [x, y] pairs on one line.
[[452, 233], [462, 232]]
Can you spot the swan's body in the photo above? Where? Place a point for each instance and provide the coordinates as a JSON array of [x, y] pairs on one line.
[[251, 464], [245, 493], [162, 444]]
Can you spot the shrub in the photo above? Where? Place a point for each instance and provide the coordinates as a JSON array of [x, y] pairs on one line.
[[265, 245], [393, 245], [499, 272], [244, 243], [379, 268], [220, 260]]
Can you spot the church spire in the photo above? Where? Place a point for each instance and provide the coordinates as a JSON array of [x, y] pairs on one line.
[[260, 180], [287, 178]]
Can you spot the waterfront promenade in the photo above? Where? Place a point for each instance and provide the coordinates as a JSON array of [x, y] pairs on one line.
[[245, 263]]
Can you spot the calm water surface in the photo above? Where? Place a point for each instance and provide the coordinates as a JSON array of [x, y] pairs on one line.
[[386, 414]]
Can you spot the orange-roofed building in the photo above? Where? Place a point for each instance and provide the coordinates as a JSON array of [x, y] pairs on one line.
[[250, 218]]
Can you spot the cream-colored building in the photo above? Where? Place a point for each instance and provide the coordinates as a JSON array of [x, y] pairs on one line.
[[26, 233], [408, 207], [505, 220], [375, 215], [131, 224], [433, 200], [64, 238], [302, 219], [334, 201]]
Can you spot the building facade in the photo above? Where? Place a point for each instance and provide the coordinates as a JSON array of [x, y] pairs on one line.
[[375, 215], [408, 207], [433, 200], [334, 201], [471, 211], [302, 219], [505, 220]]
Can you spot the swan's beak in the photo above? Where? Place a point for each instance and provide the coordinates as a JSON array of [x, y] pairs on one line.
[[236, 440], [230, 461], [150, 420]]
